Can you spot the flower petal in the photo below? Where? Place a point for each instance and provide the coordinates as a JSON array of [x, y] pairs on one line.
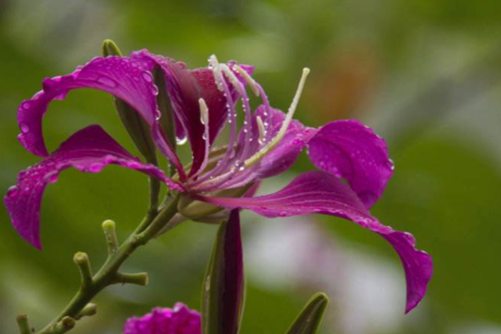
[[88, 150], [321, 192], [178, 320], [351, 150], [185, 87], [118, 76]]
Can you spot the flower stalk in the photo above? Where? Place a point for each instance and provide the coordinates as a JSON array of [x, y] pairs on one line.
[[109, 273], [23, 324]]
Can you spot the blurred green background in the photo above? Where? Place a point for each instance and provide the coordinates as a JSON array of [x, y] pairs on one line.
[[425, 74]]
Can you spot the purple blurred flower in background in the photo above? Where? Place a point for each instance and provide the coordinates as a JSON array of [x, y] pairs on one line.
[[352, 161], [177, 320]]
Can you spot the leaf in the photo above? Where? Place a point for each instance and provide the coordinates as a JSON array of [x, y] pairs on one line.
[[309, 319]]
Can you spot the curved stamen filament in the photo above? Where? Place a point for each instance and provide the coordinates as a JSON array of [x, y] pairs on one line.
[[240, 88], [252, 83], [285, 124], [222, 86], [214, 182], [261, 129]]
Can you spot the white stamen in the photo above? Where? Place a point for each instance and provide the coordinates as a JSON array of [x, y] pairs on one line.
[[285, 124], [252, 83], [233, 78], [216, 70], [262, 130], [204, 111]]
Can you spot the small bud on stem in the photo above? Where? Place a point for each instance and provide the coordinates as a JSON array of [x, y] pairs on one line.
[[81, 259], [135, 278], [110, 234], [23, 325], [88, 310]]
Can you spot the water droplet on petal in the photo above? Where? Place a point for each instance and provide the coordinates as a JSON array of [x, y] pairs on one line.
[[239, 165], [147, 76], [24, 128], [52, 178], [107, 81], [26, 105], [11, 190], [95, 168]]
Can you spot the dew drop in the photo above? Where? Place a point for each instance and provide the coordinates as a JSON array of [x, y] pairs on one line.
[[107, 81], [155, 90], [94, 168], [11, 190], [24, 128], [239, 165], [52, 178], [181, 140], [26, 105], [147, 76]]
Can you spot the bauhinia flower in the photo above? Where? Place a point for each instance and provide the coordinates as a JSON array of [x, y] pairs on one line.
[[177, 320], [352, 161]]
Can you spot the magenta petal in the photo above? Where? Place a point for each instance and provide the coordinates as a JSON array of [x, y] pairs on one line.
[[178, 320], [88, 150], [321, 192], [184, 88], [353, 151], [118, 76]]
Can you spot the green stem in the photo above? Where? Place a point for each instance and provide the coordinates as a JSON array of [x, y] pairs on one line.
[[108, 274], [23, 325]]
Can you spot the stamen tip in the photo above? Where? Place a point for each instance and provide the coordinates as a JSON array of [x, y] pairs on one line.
[[204, 111]]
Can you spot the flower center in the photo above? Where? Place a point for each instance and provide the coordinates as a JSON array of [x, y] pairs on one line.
[[248, 145]]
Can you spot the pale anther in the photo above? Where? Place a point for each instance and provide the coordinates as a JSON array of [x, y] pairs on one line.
[[252, 83], [204, 111]]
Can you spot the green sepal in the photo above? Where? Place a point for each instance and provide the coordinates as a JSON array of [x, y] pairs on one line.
[[136, 127], [166, 112], [310, 317], [223, 288]]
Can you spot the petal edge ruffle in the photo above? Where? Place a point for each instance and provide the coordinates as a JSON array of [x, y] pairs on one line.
[[88, 150]]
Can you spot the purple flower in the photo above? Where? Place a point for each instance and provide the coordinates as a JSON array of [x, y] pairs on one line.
[[352, 161], [178, 320]]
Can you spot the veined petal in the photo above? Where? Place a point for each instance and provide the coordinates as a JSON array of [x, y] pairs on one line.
[[353, 151], [321, 192], [118, 76], [88, 150]]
